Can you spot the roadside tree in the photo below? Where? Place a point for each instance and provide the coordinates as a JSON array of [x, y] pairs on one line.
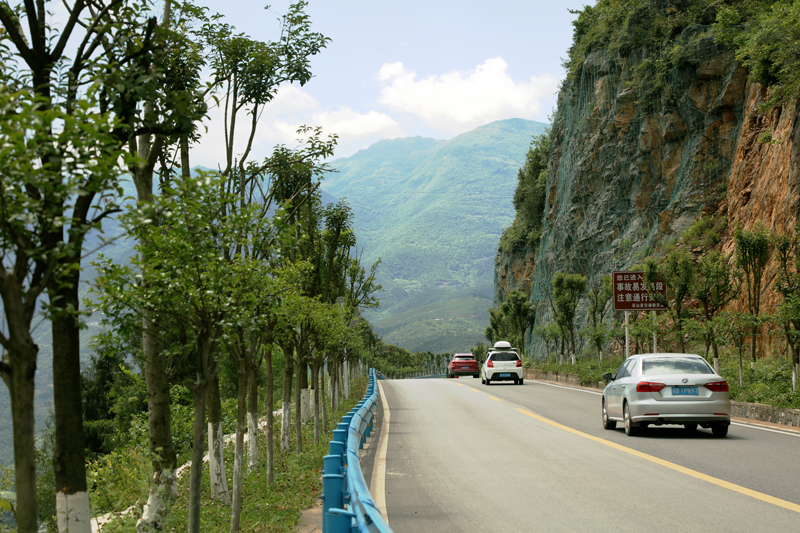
[[677, 271], [788, 285], [753, 251], [568, 289], [715, 285], [599, 295]]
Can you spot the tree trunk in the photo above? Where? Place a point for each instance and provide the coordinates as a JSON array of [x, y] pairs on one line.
[[322, 404], [18, 368], [69, 460], [315, 397], [753, 346], [286, 406], [216, 460], [298, 422], [163, 489], [270, 416], [741, 380], [715, 350], [305, 398], [241, 411], [572, 344], [333, 372], [198, 441], [252, 417]]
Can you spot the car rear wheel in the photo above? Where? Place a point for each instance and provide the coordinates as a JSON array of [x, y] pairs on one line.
[[631, 429], [521, 380], [607, 424], [690, 427], [719, 430], [488, 380]]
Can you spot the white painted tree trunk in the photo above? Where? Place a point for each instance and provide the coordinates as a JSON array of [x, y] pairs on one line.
[[795, 371], [286, 425], [345, 381], [305, 405], [163, 491], [216, 465], [73, 513], [252, 441], [716, 365]]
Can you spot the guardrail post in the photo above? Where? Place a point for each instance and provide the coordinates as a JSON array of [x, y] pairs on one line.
[[332, 496], [333, 464]]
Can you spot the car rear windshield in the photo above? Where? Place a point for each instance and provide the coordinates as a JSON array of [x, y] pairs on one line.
[[675, 365], [464, 358], [504, 356]]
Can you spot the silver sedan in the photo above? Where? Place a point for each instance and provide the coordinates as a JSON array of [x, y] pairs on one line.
[[666, 388]]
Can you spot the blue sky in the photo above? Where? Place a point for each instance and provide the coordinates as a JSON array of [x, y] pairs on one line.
[[434, 68]]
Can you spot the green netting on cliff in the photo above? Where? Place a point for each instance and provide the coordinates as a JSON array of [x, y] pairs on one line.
[[633, 164]]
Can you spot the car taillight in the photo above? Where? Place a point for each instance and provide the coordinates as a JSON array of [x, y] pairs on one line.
[[519, 363], [649, 386], [717, 386], [489, 363]]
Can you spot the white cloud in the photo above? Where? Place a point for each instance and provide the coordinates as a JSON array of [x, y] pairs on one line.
[[459, 101]]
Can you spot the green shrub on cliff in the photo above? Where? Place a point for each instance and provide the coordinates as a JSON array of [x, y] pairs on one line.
[[529, 198], [766, 35]]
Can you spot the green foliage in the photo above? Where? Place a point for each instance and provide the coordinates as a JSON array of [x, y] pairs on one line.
[[568, 289], [651, 29], [118, 479], [529, 198], [520, 313], [753, 251], [705, 232], [766, 35]]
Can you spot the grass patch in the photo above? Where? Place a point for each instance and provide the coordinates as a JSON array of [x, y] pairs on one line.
[[265, 508]]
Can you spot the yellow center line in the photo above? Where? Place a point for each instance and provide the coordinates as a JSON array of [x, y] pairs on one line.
[[495, 399], [678, 468], [474, 390], [461, 385]]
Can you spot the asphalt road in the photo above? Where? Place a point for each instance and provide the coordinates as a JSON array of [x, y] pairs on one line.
[[464, 457]]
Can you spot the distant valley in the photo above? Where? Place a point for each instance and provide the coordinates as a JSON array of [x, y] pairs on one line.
[[433, 211]]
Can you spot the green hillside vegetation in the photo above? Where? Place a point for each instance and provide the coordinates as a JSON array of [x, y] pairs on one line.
[[448, 326], [433, 211]]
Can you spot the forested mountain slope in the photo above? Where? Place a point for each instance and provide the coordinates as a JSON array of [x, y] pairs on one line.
[[433, 212]]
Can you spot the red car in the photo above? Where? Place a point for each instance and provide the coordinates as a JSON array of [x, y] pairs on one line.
[[463, 364]]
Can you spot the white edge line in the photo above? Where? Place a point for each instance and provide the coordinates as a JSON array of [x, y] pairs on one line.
[[378, 484], [754, 425]]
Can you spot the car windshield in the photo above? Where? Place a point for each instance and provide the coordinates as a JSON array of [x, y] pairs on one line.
[[464, 358], [504, 356], [675, 365]]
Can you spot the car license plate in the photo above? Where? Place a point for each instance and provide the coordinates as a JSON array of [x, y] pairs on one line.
[[505, 375], [465, 368], [684, 391]]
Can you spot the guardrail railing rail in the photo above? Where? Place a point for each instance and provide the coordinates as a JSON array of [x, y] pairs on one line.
[[347, 505]]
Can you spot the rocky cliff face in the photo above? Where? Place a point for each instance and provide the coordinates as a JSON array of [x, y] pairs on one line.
[[625, 177]]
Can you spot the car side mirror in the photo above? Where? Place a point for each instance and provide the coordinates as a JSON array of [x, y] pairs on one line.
[[608, 376]]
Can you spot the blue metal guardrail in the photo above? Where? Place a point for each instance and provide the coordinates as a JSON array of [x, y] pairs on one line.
[[343, 482]]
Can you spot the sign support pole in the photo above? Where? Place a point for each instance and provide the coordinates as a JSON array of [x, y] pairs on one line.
[[655, 324], [627, 338]]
